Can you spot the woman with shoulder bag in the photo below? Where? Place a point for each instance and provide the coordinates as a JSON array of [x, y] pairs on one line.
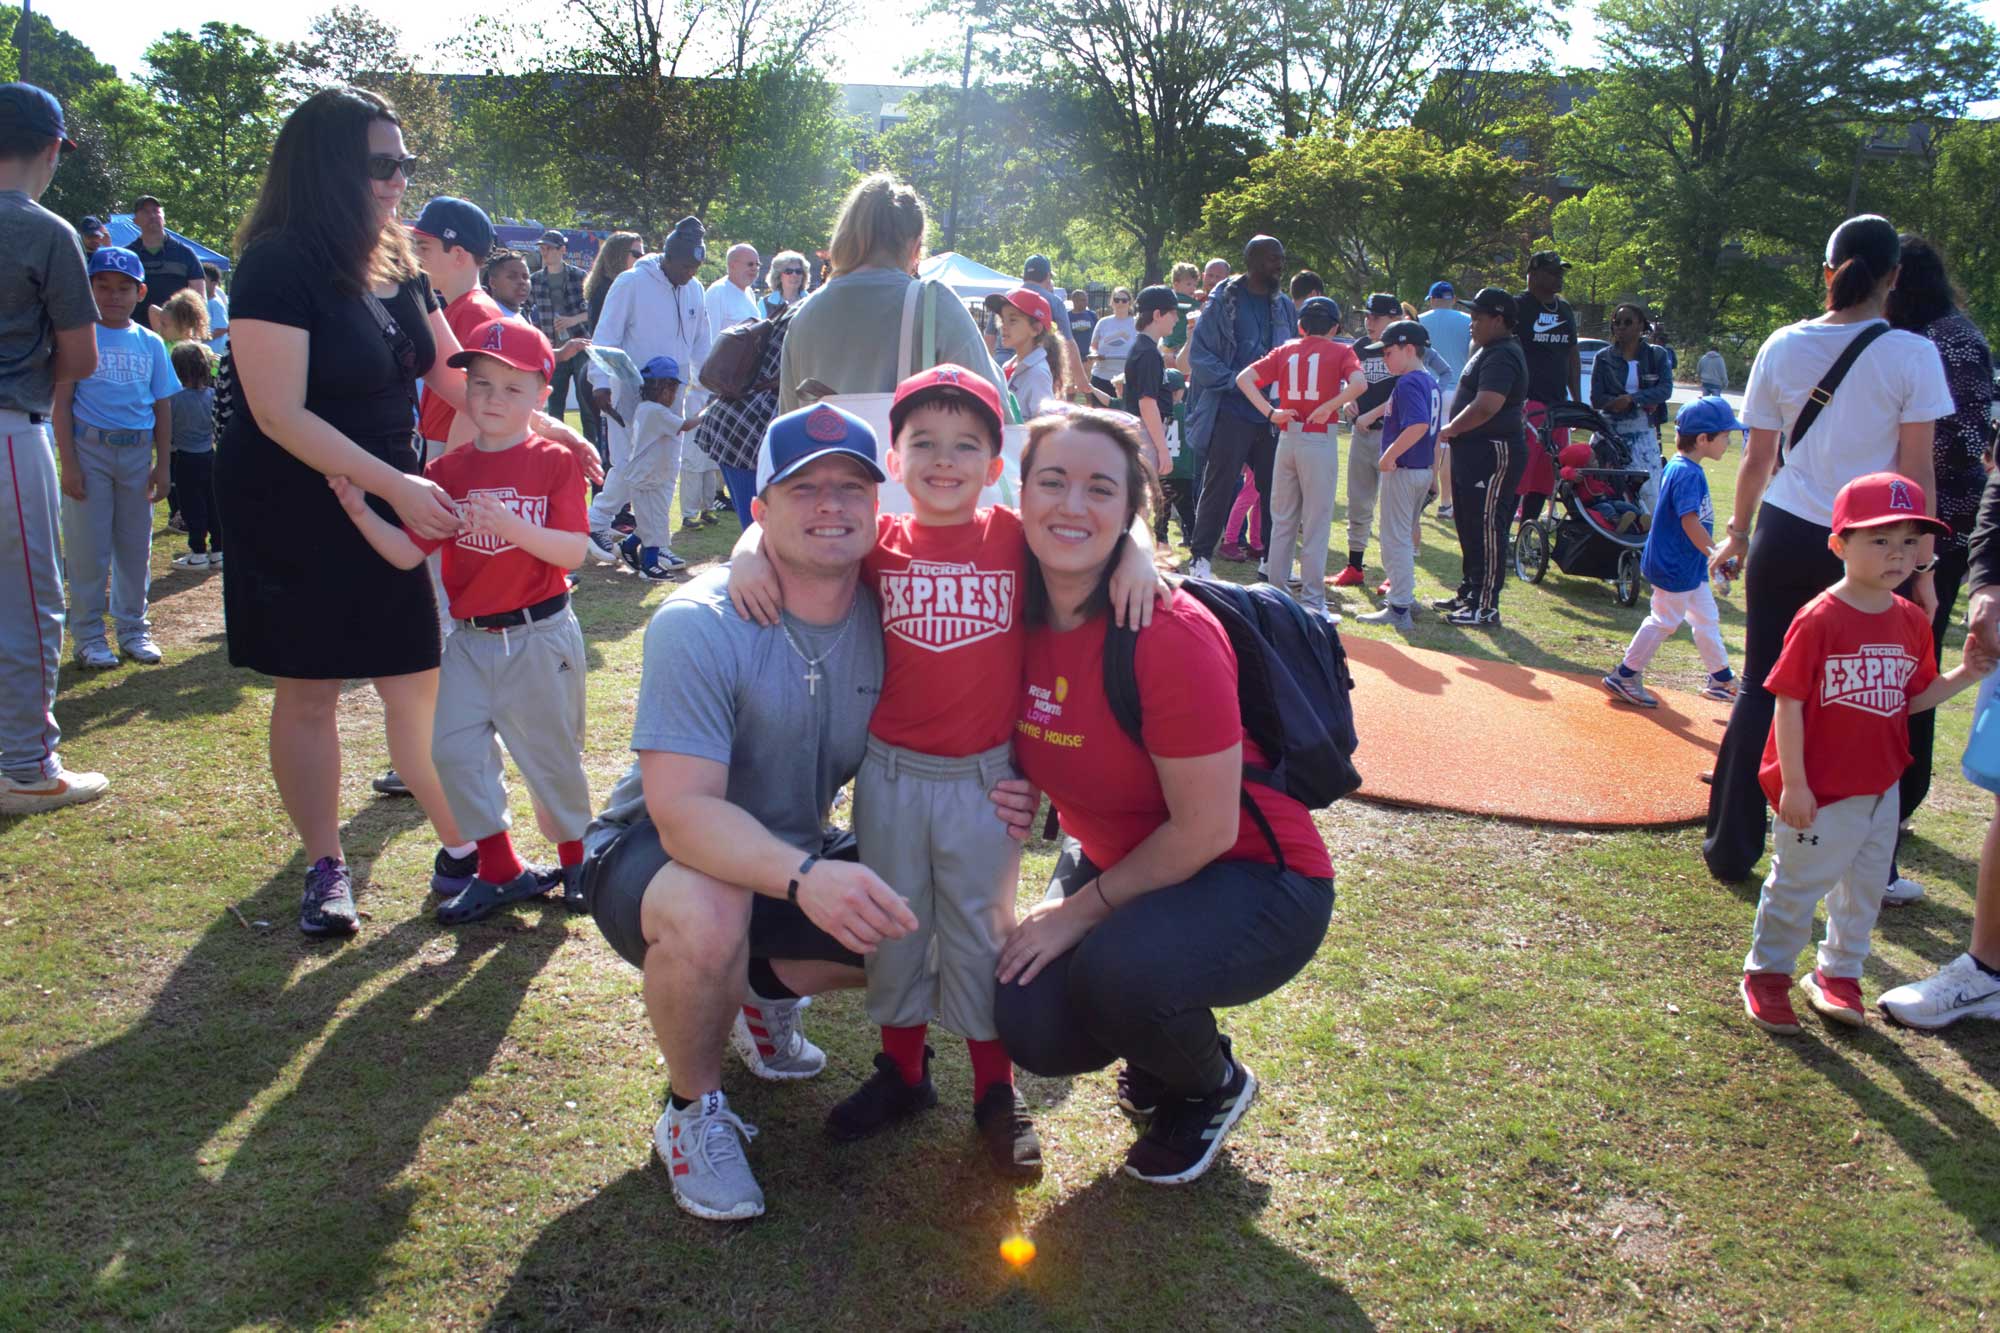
[[1854, 396]]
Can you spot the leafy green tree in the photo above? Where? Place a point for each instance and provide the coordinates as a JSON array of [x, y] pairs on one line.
[[1730, 123], [221, 102], [115, 124], [349, 45], [1597, 233], [790, 160]]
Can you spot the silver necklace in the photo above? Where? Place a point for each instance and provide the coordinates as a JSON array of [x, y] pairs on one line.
[[813, 674]]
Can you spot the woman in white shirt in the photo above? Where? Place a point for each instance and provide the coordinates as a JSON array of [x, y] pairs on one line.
[[1881, 418], [1111, 342]]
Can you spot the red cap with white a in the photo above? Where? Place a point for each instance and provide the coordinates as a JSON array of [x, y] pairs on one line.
[[945, 382], [511, 342], [1026, 300], [1882, 498]]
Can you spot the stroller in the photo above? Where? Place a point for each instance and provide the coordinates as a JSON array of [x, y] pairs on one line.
[[1571, 532]]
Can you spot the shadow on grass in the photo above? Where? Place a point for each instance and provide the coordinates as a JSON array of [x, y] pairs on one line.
[[158, 1177]]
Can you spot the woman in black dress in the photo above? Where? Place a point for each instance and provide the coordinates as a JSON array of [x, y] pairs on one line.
[[334, 328]]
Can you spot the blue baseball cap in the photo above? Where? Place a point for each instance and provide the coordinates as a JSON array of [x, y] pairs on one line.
[[661, 368], [1707, 416], [458, 222], [798, 437], [92, 225], [117, 259], [1321, 307], [23, 106], [1441, 289]]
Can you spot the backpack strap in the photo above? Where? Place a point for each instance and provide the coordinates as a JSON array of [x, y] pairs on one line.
[[1822, 393]]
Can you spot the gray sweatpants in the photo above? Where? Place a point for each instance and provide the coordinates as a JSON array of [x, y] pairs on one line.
[[1842, 857], [1305, 480], [927, 827], [31, 599], [525, 685], [108, 535], [1404, 491], [1364, 451]]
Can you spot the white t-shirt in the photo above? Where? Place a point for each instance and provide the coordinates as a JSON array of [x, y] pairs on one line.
[[728, 304], [1112, 340], [1899, 379]]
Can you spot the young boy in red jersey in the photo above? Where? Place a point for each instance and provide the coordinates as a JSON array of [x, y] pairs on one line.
[[1316, 377], [514, 668], [948, 576], [1857, 662]]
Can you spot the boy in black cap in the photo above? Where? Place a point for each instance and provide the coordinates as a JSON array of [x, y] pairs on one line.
[[1148, 398], [1486, 437]]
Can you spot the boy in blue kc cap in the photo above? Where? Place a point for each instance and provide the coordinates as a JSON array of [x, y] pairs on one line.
[[1675, 561], [653, 462]]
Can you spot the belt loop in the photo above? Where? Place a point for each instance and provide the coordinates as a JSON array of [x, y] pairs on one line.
[[506, 648]]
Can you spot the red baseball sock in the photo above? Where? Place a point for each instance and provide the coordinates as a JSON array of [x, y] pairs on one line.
[[906, 1047], [497, 862], [990, 1065], [570, 853]]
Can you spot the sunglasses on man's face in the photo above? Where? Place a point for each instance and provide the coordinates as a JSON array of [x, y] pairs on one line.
[[381, 166]]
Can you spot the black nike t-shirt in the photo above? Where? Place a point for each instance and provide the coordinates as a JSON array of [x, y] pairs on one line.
[[1548, 336]]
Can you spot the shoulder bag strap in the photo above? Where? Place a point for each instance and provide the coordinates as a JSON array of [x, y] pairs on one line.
[[930, 326], [1822, 393], [905, 364]]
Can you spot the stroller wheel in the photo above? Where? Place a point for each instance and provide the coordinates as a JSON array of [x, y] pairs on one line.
[[1531, 553], [1627, 583]]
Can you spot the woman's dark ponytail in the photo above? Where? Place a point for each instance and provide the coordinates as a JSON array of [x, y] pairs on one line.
[[1850, 284], [1860, 255]]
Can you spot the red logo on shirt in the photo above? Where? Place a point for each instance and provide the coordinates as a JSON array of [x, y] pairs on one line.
[[1871, 680], [534, 508], [940, 606]]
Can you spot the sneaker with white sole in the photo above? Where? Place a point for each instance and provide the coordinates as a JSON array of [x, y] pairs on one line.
[[702, 1149], [96, 657], [1198, 568], [772, 1045], [1837, 998], [1631, 690], [1902, 892], [1722, 691], [192, 560], [39, 795], [1963, 989], [1396, 617], [1185, 1134], [141, 648]]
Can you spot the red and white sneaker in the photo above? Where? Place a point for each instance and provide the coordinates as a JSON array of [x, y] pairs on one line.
[[65, 787], [1767, 998], [1837, 998], [1349, 577], [773, 1046]]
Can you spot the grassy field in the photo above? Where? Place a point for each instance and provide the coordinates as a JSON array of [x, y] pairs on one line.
[[1514, 1090]]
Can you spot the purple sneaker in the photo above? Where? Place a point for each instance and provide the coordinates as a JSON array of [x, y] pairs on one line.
[[328, 905]]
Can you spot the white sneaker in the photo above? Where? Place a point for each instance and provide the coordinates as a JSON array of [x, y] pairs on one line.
[[141, 648], [1962, 990], [51, 793], [1199, 569], [772, 1045], [702, 1149], [96, 657], [214, 558], [1902, 893], [602, 546], [192, 560]]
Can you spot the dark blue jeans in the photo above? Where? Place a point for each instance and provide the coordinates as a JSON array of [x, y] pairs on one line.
[[742, 483], [1142, 985]]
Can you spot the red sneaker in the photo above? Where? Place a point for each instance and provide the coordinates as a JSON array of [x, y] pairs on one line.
[[1767, 998], [1837, 998], [1349, 577], [1382, 589]]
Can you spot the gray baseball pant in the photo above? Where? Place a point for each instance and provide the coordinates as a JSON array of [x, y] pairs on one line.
[[1305, 483], [523, 684], [434, 562], [1403, 493], [927, 827], [109, 535], [31, 599], [1364, 452], [1843, 857]]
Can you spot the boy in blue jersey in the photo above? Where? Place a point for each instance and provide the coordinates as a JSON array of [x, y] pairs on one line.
[[1406, 463]]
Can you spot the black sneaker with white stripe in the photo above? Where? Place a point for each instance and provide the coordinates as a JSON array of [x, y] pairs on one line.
[[1186, 1133]]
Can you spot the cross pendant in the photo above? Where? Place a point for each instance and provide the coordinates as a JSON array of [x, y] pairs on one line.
[[812, 679]]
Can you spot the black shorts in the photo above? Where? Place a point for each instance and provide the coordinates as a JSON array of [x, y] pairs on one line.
[[615, 876]]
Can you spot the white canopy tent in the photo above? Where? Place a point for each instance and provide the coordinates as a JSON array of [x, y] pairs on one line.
[[969, 278]]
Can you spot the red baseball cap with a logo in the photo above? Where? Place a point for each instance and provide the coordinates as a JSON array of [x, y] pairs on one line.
[[510, 342], [946, 382], [1882, 498], [1024, 299]]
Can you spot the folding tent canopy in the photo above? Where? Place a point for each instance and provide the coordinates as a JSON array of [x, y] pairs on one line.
[[972, 280], [125, 232]]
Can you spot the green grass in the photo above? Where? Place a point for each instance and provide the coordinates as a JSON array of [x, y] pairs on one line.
[[1514, 1090]]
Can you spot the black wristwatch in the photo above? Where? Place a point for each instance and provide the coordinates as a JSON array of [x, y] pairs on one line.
[[792, 888]]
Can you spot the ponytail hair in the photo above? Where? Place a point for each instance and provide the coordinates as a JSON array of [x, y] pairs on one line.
[[880, 221], [1065, 368], [1861, 255]]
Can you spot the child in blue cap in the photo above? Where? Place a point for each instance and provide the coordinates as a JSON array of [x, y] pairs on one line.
[[655, 459], [1675, 561]]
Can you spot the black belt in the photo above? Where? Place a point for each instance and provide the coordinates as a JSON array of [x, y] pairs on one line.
[[539, 611]]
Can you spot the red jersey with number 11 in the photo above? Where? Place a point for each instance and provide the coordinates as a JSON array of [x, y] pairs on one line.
[[1309, 372]]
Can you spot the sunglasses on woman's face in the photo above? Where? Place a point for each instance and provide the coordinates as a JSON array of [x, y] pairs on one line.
[[791, 272], [1121, 300], [381, 166]]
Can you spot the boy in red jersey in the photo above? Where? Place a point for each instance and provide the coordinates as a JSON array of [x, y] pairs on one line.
[[1857, 662], [949, 577], [514, 668], [1316, 377]]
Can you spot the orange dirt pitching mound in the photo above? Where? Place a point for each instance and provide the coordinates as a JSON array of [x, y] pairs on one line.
[[1547, 747]]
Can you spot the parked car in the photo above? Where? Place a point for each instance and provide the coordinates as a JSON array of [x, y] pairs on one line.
[[1586, 351]]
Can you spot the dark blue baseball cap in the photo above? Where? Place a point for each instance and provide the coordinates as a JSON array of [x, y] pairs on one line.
[[1708, 415], [661, 368], [92, 225], [798, 437], [1321, 307], [117, 259], [1441, 288], [23, 106], [458, 222]]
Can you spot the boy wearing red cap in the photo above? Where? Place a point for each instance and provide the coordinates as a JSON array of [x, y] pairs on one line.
[[1856, 663], [514, 668]]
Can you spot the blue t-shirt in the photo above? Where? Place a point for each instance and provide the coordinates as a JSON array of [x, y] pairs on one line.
[[194, 421], [133, 372], [1253, 339], [1451, 337], [1417, 401], [1671, 563]]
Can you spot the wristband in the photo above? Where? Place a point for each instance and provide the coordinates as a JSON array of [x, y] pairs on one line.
[[792, 888], [1098, 884], [1735, 531]]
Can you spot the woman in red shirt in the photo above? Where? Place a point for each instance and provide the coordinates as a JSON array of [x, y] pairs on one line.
[[1168, 899]]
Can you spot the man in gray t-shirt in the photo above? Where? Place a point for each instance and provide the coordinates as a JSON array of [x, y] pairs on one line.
[[48, 333]]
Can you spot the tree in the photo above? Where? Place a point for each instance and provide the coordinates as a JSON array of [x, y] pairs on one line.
[[115, 125], [1597, 233], [789, 160], [220, 102], [1386, 209], [350, 46], [1952, 196], [1733, 122]]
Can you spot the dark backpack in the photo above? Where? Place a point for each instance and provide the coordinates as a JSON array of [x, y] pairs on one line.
[[1292, 685], [729, 370]]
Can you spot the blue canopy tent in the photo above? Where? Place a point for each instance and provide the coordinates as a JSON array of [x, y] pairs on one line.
[[125, 232]]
